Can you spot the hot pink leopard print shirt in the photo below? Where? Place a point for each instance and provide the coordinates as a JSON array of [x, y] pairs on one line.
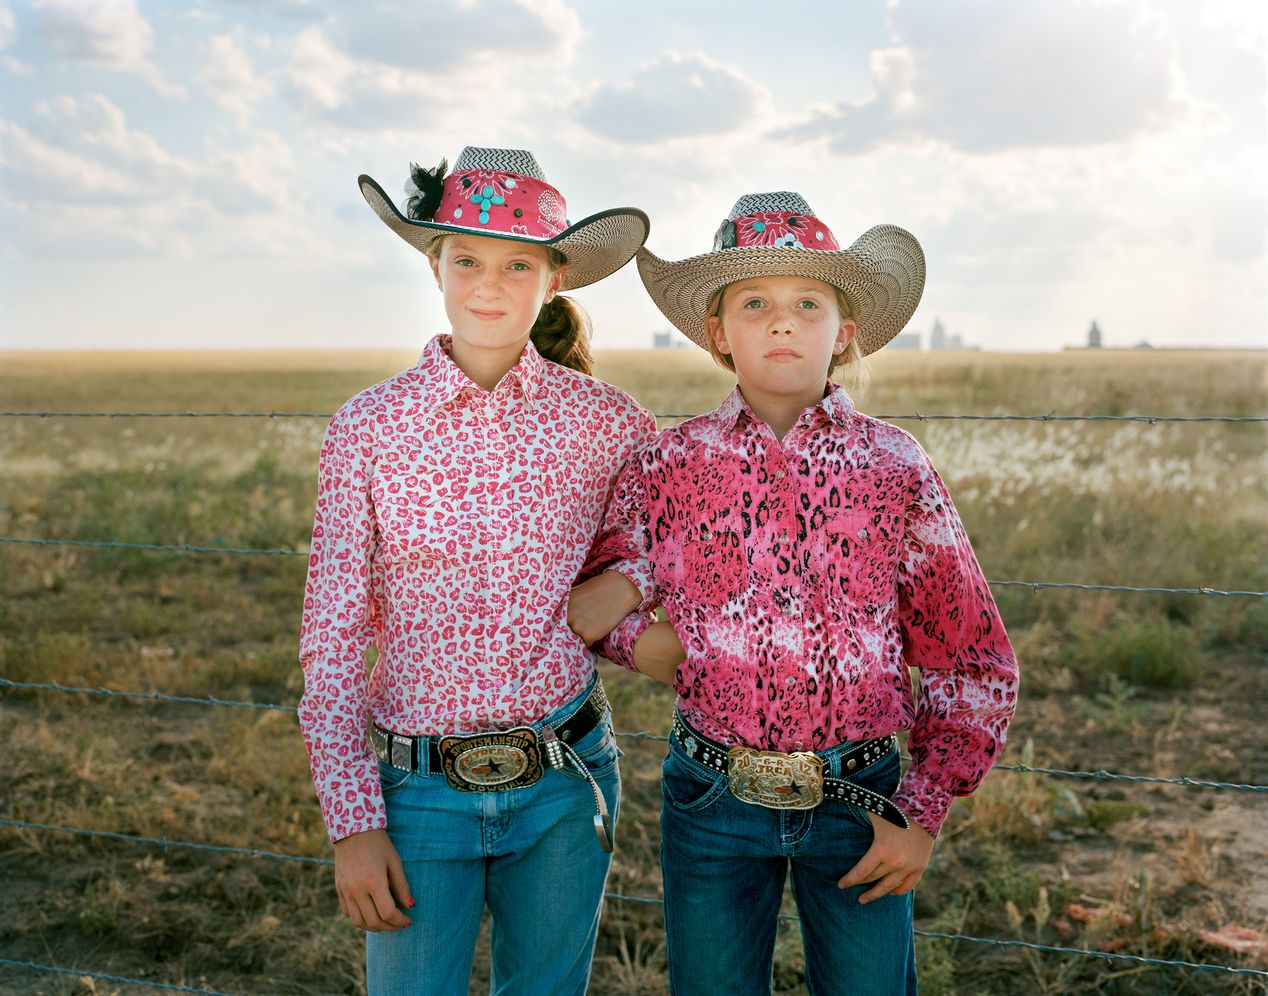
[[803, 577], [450, 524]]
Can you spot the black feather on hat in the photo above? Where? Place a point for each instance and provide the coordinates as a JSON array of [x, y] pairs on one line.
[[425, 189]]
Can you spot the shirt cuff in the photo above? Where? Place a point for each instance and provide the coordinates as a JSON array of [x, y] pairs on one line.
[[338, 832], [638, 571], [618, 647], [923, 800], [351, 801]]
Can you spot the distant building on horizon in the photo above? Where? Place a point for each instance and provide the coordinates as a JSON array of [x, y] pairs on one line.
[[939, 340], [666, 339], [905, 340], [1094, 336]]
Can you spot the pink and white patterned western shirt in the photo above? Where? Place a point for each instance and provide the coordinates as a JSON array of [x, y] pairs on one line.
[[451, 523], [803, 577]]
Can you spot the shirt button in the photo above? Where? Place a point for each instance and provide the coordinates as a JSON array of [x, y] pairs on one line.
[[790, 681], [799, 746], [782, 537], [781, 474]]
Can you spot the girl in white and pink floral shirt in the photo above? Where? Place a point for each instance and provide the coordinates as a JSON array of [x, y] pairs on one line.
[[806, 555], [457, 500]]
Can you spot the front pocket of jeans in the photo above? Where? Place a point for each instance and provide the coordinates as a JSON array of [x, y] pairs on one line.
[[882, 778], [688, 790], [390, 779], [603, 753]]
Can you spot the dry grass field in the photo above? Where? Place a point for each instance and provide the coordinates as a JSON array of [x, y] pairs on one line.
[[1153, 684]]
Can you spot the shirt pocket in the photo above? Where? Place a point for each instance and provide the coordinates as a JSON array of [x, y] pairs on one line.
[[441, 535], [715, 568], [858, 556]]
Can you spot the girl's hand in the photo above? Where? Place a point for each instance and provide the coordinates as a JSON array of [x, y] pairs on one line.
[[370, 880], [895, 862], [658, 652], [597, 605]]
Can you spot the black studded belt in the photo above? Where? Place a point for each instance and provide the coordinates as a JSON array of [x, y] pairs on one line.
[[791, 781]]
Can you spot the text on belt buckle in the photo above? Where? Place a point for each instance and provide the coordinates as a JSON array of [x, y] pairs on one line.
[[491, 762], [774, 780]]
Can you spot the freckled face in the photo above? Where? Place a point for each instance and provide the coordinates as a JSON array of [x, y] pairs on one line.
[[494, 289], [781, 332]]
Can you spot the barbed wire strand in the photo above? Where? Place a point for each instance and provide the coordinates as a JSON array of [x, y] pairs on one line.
[[618, 897], [80, 973], [1099, 774], [180, 548], [190, 548], [53, 686], [914, 417]]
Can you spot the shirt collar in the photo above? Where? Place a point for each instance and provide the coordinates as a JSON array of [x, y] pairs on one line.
[[445, 379], [730, 411], [836, 406]]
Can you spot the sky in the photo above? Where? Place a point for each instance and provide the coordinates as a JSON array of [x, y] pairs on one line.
[[183, 175]]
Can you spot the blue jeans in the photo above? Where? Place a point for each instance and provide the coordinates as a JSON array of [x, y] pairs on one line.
[[530, 853], [724, 864]]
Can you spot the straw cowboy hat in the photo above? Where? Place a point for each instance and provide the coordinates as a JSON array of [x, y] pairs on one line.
[[503, 194], [776, 233]]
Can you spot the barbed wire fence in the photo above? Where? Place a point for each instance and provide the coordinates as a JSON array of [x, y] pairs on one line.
[[1184, 781]]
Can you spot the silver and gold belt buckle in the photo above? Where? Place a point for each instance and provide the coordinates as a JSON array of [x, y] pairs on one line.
[[774, 780], [491, 762]]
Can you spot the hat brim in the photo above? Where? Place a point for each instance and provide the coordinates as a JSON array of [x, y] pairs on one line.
[[882, 275], [596, 246]]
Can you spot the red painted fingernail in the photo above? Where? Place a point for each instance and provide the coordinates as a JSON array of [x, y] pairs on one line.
[[410, 901]]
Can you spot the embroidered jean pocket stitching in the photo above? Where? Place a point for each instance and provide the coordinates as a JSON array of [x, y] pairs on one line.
[[603, 753], [697, 789], [390, 779]]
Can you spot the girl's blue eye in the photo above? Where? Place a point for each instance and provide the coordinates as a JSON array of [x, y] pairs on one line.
[[807, 304], [519, 266], [755, 302], [464, 261]]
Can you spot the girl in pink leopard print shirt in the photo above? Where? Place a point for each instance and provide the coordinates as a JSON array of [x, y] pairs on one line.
[[806, 555]]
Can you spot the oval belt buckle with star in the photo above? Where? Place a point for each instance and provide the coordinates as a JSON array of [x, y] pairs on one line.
[[774, 780], [491, 762]]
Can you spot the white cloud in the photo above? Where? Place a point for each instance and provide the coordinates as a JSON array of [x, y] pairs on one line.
[[81, 179], [257, 179], [8, 26], [108, 33], [300, 10], [330, 86], [1248, 20], [227, 74], [431, 38], [39, 169], [996, 75], [97, 128], [676, 95], [418, 66]]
